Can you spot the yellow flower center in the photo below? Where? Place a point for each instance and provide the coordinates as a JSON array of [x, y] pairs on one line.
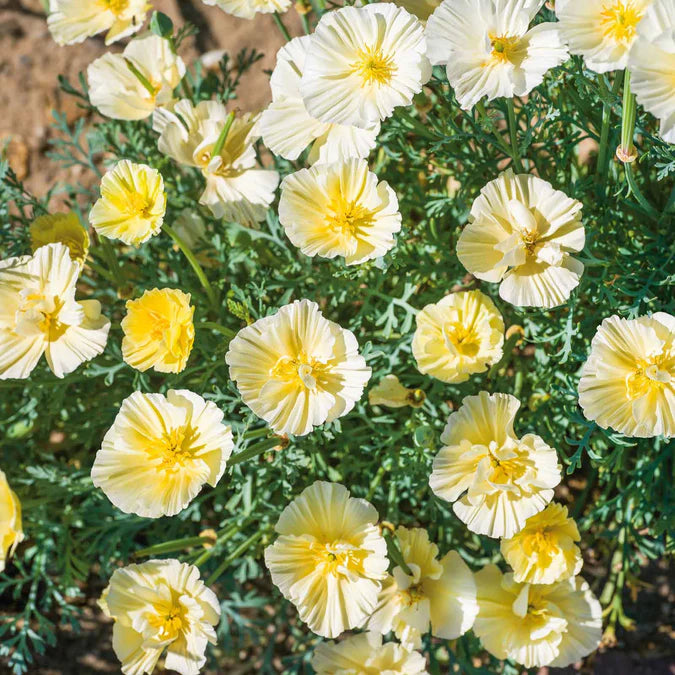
[[175, 448], [169, 622], [116, 6], [348, 218], [506, 471], [48, 311], [374, 67], [543, 542], [651, 376], [464, 339], [340, 558], [503, 47], [619, 20], [413, 595], [303, 371], [138, 205]]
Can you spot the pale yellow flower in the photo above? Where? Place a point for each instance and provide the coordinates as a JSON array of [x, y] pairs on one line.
[[489, 50], [286, 126], [160, 451], [132, 203], [39, 315], [160, 606], [551, 625], [521, 232], [130, 85], [437, 593], [11, 530], [362, 63], [60, 227], [296, 369], [158, 331], [364, 654], [504, 479], [329, 559], [73, 21], [628, 381], [458, 336], [236, 189], [247, 9], [544, 551], [339, 210], [392, 394]]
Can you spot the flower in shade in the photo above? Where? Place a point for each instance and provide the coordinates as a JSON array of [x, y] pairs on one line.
[[247, 9], [489, 50], [544, 551], [652, 65], [460, 335], [11, 530], [160, 451], [286, 126], [392, 394], [130, 85], [39, 315], [628, 381], [132, 203], [65, 228], [521, 233], [160, 606], [362, 63], [72, 21], [495, 479], [339, 210], [329, 559], [550, 625], [158, 331], [366, 655], [602, 31], [296, 369], [432, 592], [221, 146]]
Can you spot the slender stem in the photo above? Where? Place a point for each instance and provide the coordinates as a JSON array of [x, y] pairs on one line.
[[113, 263], [635, 189], [513, 135], [223, 135], [603, 157], [242, 548], [395, 553], [140, 77], [628, 116], [480, 107], [255, 433], [305, 24], [173, 545], [281, 27], [254, 451]]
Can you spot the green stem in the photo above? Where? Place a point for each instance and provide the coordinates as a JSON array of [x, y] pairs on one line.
[[394, 552], [254, 451], [305, 24], [140, 77], [113, 263], [170, 546], [242, 548], [480, 107], [223, 135], [281, 27], [227, 332], [628, 115], [256, 433], [603, 157], [513, 135], [635, 190]]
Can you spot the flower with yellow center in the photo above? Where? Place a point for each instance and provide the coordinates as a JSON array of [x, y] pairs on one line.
[[366, 655], [158, 331], [362, 63], [39, 315], [437, 593], [296, 369], [489, 50], [339, 210], [286, 126], [504, 479], [544, 551], [160, 451], [130, 85], [65, 228], [160, 606], [222, 147], [458, 336], [329, 559], [521, 233], [132, 203], [247, 9], [73, 21], [391, 393], [11, 530], [551, 625], [628, 381], [602, 31]]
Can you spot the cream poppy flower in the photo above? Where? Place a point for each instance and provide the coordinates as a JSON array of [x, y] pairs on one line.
[[551, 625], [132, 203], [366, 655], [602, 31], [235, 190], [160, 606], [73, 21], [11, 530], [504, 479], [130, 85], [247, 9], [521, 233], [160, 451], [652, 65], [286, 126], [628, 381], [362, 63], [544, 551], [458, 336], [440, 593], [39, 315], [339, 210], [489, 50], [158, 331], [65, 228], [392, 394], [296, 369], [329, 559]]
